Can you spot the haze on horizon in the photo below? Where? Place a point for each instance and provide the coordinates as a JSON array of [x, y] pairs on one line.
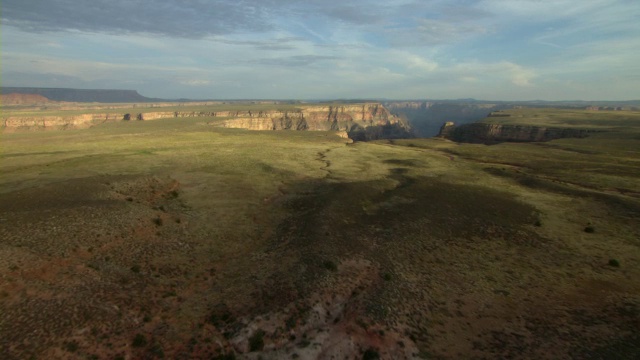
[[284, 49]]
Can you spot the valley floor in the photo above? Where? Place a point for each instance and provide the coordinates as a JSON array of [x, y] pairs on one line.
[[177, 239]]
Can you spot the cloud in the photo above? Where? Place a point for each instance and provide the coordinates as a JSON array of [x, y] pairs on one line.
[[325, 48], [516, 74], [195, 82], [417, 62], [191, 19], [285, 43], [519, 75], [293, 61]]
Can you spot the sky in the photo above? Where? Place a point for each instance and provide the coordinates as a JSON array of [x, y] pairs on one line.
[[327, 49]]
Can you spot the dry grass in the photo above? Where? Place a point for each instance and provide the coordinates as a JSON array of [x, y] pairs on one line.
[[197, 239]]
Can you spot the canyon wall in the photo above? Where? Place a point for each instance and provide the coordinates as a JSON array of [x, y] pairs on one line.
[[487, 133], [367, 121], [426, 117]]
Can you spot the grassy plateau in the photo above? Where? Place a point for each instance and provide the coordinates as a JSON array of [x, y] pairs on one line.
[[175, 238]]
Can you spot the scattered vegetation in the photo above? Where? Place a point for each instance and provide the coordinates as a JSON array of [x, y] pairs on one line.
[[438, 220], [589, 229]]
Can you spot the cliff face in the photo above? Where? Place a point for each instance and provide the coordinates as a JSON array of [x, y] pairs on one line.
[[426, 117], [486, 133], [361, 122]]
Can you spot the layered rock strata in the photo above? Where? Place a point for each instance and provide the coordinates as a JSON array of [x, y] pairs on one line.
[[360, 121], [486, 133]]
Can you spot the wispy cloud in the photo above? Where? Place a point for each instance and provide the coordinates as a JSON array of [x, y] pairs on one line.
[[295, 61], [327, 48]]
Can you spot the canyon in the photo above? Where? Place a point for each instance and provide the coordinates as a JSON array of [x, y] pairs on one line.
[[366, 121], [487, 133]]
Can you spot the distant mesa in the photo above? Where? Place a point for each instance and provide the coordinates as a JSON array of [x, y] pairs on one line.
[[80, 95], [23, 99]]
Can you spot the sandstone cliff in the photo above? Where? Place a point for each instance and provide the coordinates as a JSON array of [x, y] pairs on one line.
[[359, 121], [368, 121], [487, 133]]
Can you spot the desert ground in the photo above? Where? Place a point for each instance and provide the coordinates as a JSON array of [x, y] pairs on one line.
[[179, 239]]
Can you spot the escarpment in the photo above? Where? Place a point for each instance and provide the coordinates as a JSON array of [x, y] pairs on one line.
[[368, 121], [488, 133]]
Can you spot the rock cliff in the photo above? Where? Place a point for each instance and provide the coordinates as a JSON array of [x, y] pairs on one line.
[[487, 133], [368, 121]]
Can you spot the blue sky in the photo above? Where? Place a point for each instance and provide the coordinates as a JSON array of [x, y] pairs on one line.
[[293, 49]]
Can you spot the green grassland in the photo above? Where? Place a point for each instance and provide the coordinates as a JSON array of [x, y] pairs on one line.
[[205, 241]]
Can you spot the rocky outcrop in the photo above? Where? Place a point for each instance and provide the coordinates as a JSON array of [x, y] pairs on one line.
[[57, 122], [487, 133], [361, 122]]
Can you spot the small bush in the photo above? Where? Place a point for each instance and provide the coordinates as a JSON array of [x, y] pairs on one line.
[[135, 268], [157, 221], [157, 351], [387, 276], [370, 354], [139, 341], [537, 223], [330, 265], [230, 356], [589, 229], [72, 346], [256, 341], [614, 263]]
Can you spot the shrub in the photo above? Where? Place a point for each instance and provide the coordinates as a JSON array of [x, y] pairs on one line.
[[72, 346], [256, 341], [589, 229], [157, 221], [156, 350], [614, 263], [139, 341], [135, 268], [370, 354], [330, 265]]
